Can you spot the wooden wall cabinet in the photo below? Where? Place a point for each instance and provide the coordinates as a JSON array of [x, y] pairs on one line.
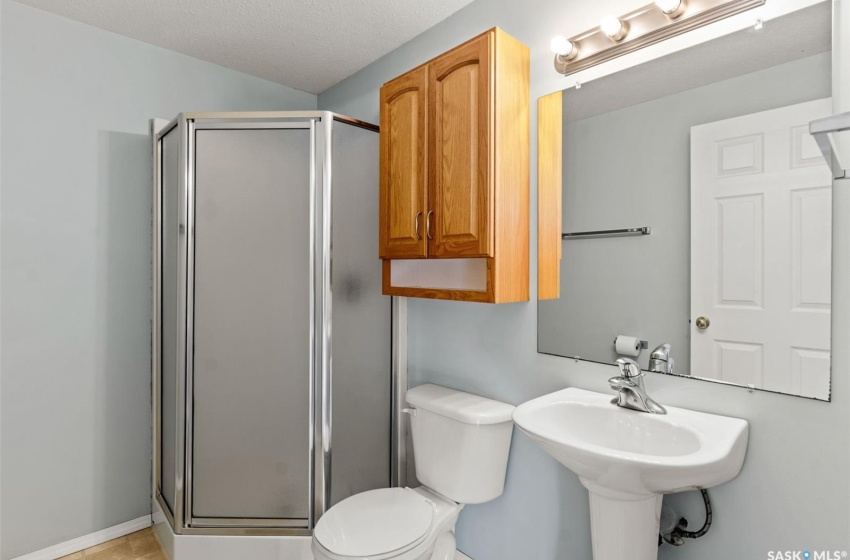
[[454, 174]]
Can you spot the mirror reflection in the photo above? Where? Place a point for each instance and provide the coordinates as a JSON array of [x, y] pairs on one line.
[[707, 148]]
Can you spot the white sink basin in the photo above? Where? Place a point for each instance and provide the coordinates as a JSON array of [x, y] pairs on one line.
[[634, 452], [628, 459]]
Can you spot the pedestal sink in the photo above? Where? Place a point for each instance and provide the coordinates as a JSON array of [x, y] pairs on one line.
[[628, 460]]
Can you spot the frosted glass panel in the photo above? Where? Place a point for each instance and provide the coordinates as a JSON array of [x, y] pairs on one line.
[[251, 361], [169, 313], [361, 321]]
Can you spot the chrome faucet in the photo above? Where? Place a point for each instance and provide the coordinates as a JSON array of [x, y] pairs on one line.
[[660, 360], [630, 390]]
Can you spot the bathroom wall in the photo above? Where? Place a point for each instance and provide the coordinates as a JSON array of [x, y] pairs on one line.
[[75, 264], [793, 493]]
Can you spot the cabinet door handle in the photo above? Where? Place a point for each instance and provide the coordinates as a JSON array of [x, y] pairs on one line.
[[416, 219], [428, 224]]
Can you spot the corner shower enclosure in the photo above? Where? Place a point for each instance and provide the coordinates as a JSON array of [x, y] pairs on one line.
[[273, 392]]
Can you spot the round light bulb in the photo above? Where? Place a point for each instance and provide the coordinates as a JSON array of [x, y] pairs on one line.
[[561, 46], [671, 8], [668, 6], [613, 27]]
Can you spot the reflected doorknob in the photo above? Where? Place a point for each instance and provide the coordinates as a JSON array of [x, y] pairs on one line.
[[702, 322]]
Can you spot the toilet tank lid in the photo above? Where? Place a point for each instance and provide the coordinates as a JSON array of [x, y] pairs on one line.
[[460, 406]]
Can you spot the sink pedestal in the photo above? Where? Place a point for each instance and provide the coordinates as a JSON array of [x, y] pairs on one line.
[[623, 525]]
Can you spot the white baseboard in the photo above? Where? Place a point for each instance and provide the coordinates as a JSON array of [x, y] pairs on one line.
[[87, 541], [100, 537]]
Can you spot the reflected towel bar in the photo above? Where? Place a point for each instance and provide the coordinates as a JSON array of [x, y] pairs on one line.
[[608, 233]]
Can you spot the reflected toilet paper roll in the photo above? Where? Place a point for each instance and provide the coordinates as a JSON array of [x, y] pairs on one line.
[[627, 345]]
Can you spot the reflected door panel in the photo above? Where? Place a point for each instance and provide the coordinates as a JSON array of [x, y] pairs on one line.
[[761, 237]]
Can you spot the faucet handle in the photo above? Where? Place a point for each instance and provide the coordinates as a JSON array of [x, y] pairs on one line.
[[628, 368]]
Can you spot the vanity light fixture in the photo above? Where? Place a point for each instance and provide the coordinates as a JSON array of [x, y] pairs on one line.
[[643, 27]]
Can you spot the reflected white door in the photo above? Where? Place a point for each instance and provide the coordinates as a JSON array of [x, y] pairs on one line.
[[761, 251]]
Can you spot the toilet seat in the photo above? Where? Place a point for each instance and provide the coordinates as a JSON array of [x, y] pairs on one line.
[[376, 524]]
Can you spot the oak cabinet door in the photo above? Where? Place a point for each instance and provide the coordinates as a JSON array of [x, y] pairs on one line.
[[459, 222], [404, 166]]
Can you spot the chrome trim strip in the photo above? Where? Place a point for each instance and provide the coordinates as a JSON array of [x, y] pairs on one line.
[[243, 124], [398, 427], [249, 522], [322, 263], [248, 531], [156, 296], [190, 316], [327, 309], [311, 272], [245, 116], [165, 509], [180, 400], [256, 115], [317, 496]]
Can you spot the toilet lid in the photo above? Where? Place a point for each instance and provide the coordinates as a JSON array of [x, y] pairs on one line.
[[375, 522]]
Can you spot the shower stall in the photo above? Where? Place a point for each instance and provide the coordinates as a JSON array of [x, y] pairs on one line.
[[273, 387]]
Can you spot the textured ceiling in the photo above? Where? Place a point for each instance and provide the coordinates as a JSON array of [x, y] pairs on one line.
[[305, 44]]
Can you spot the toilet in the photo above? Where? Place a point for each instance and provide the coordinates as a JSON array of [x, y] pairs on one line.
[[460, 444]]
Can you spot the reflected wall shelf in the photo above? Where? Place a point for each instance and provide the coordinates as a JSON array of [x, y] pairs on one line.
[[624, 232]]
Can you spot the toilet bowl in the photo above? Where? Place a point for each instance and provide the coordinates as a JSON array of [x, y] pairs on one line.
[[460, 444], [390, 523]]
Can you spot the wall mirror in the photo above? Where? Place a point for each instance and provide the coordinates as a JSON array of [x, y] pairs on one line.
[[709, 149]]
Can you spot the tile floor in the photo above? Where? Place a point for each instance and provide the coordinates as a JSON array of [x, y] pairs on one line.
[[141, 545]]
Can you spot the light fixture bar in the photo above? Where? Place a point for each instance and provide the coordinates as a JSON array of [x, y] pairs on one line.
[[646, 26]]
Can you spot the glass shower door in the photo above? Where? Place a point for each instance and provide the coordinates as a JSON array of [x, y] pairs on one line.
[[250, 324]]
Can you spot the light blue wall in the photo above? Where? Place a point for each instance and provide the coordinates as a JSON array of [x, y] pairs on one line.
[[793, 492], [75, 297]]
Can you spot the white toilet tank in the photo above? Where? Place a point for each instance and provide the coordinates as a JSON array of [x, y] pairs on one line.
[[460, 443]]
